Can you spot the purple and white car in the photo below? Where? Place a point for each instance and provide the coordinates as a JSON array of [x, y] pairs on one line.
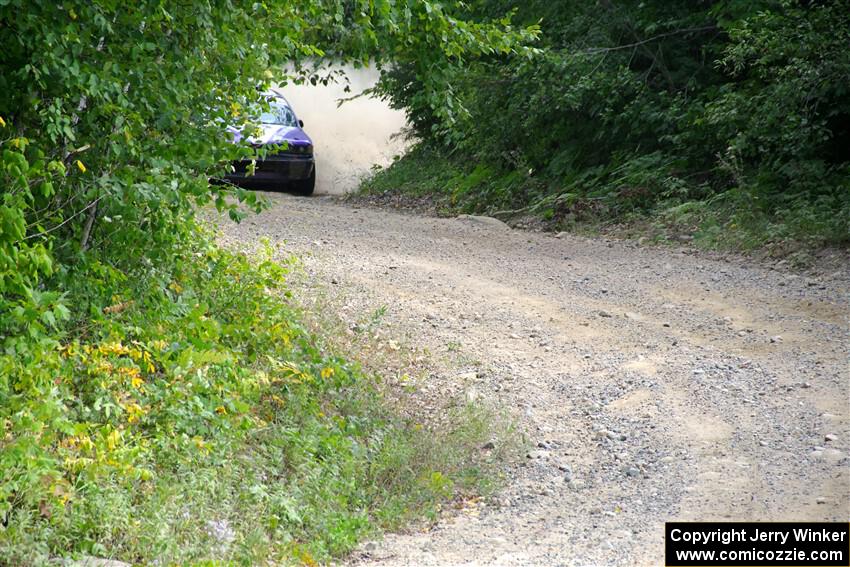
[[290, 166]]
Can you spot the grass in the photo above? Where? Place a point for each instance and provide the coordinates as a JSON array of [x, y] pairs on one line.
[[217, 422], [737, 219], [454, 429], [423, 171]]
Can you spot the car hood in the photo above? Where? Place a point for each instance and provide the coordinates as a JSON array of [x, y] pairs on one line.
[[274, 134]]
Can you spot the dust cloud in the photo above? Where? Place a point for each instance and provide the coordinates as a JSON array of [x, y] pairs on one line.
[[349, 139]]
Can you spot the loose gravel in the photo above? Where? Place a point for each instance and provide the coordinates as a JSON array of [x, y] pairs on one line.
[[653, 384]]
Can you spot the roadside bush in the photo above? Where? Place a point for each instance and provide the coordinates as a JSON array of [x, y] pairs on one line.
[[637, 106], [200, 420]]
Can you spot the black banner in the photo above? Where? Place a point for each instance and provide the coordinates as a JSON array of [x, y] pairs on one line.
[[761, 544]]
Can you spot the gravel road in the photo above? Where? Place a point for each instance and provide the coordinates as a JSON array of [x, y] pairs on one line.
[[652, 384]]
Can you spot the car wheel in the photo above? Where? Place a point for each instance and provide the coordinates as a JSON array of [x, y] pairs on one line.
[[305, 187]]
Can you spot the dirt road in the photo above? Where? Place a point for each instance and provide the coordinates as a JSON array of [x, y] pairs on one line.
[[653, 384]]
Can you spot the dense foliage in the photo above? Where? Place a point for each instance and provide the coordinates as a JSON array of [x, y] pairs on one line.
[[147, 378], [202, 420], [720, 114]]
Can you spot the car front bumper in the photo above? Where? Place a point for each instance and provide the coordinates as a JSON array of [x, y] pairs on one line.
[[274, 167]]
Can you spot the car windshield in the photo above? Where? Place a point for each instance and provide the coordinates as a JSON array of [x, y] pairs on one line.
[[278, 114]]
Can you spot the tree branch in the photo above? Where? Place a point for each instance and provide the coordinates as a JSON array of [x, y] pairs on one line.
[[84, 241], [63, 223], [651, 39]]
